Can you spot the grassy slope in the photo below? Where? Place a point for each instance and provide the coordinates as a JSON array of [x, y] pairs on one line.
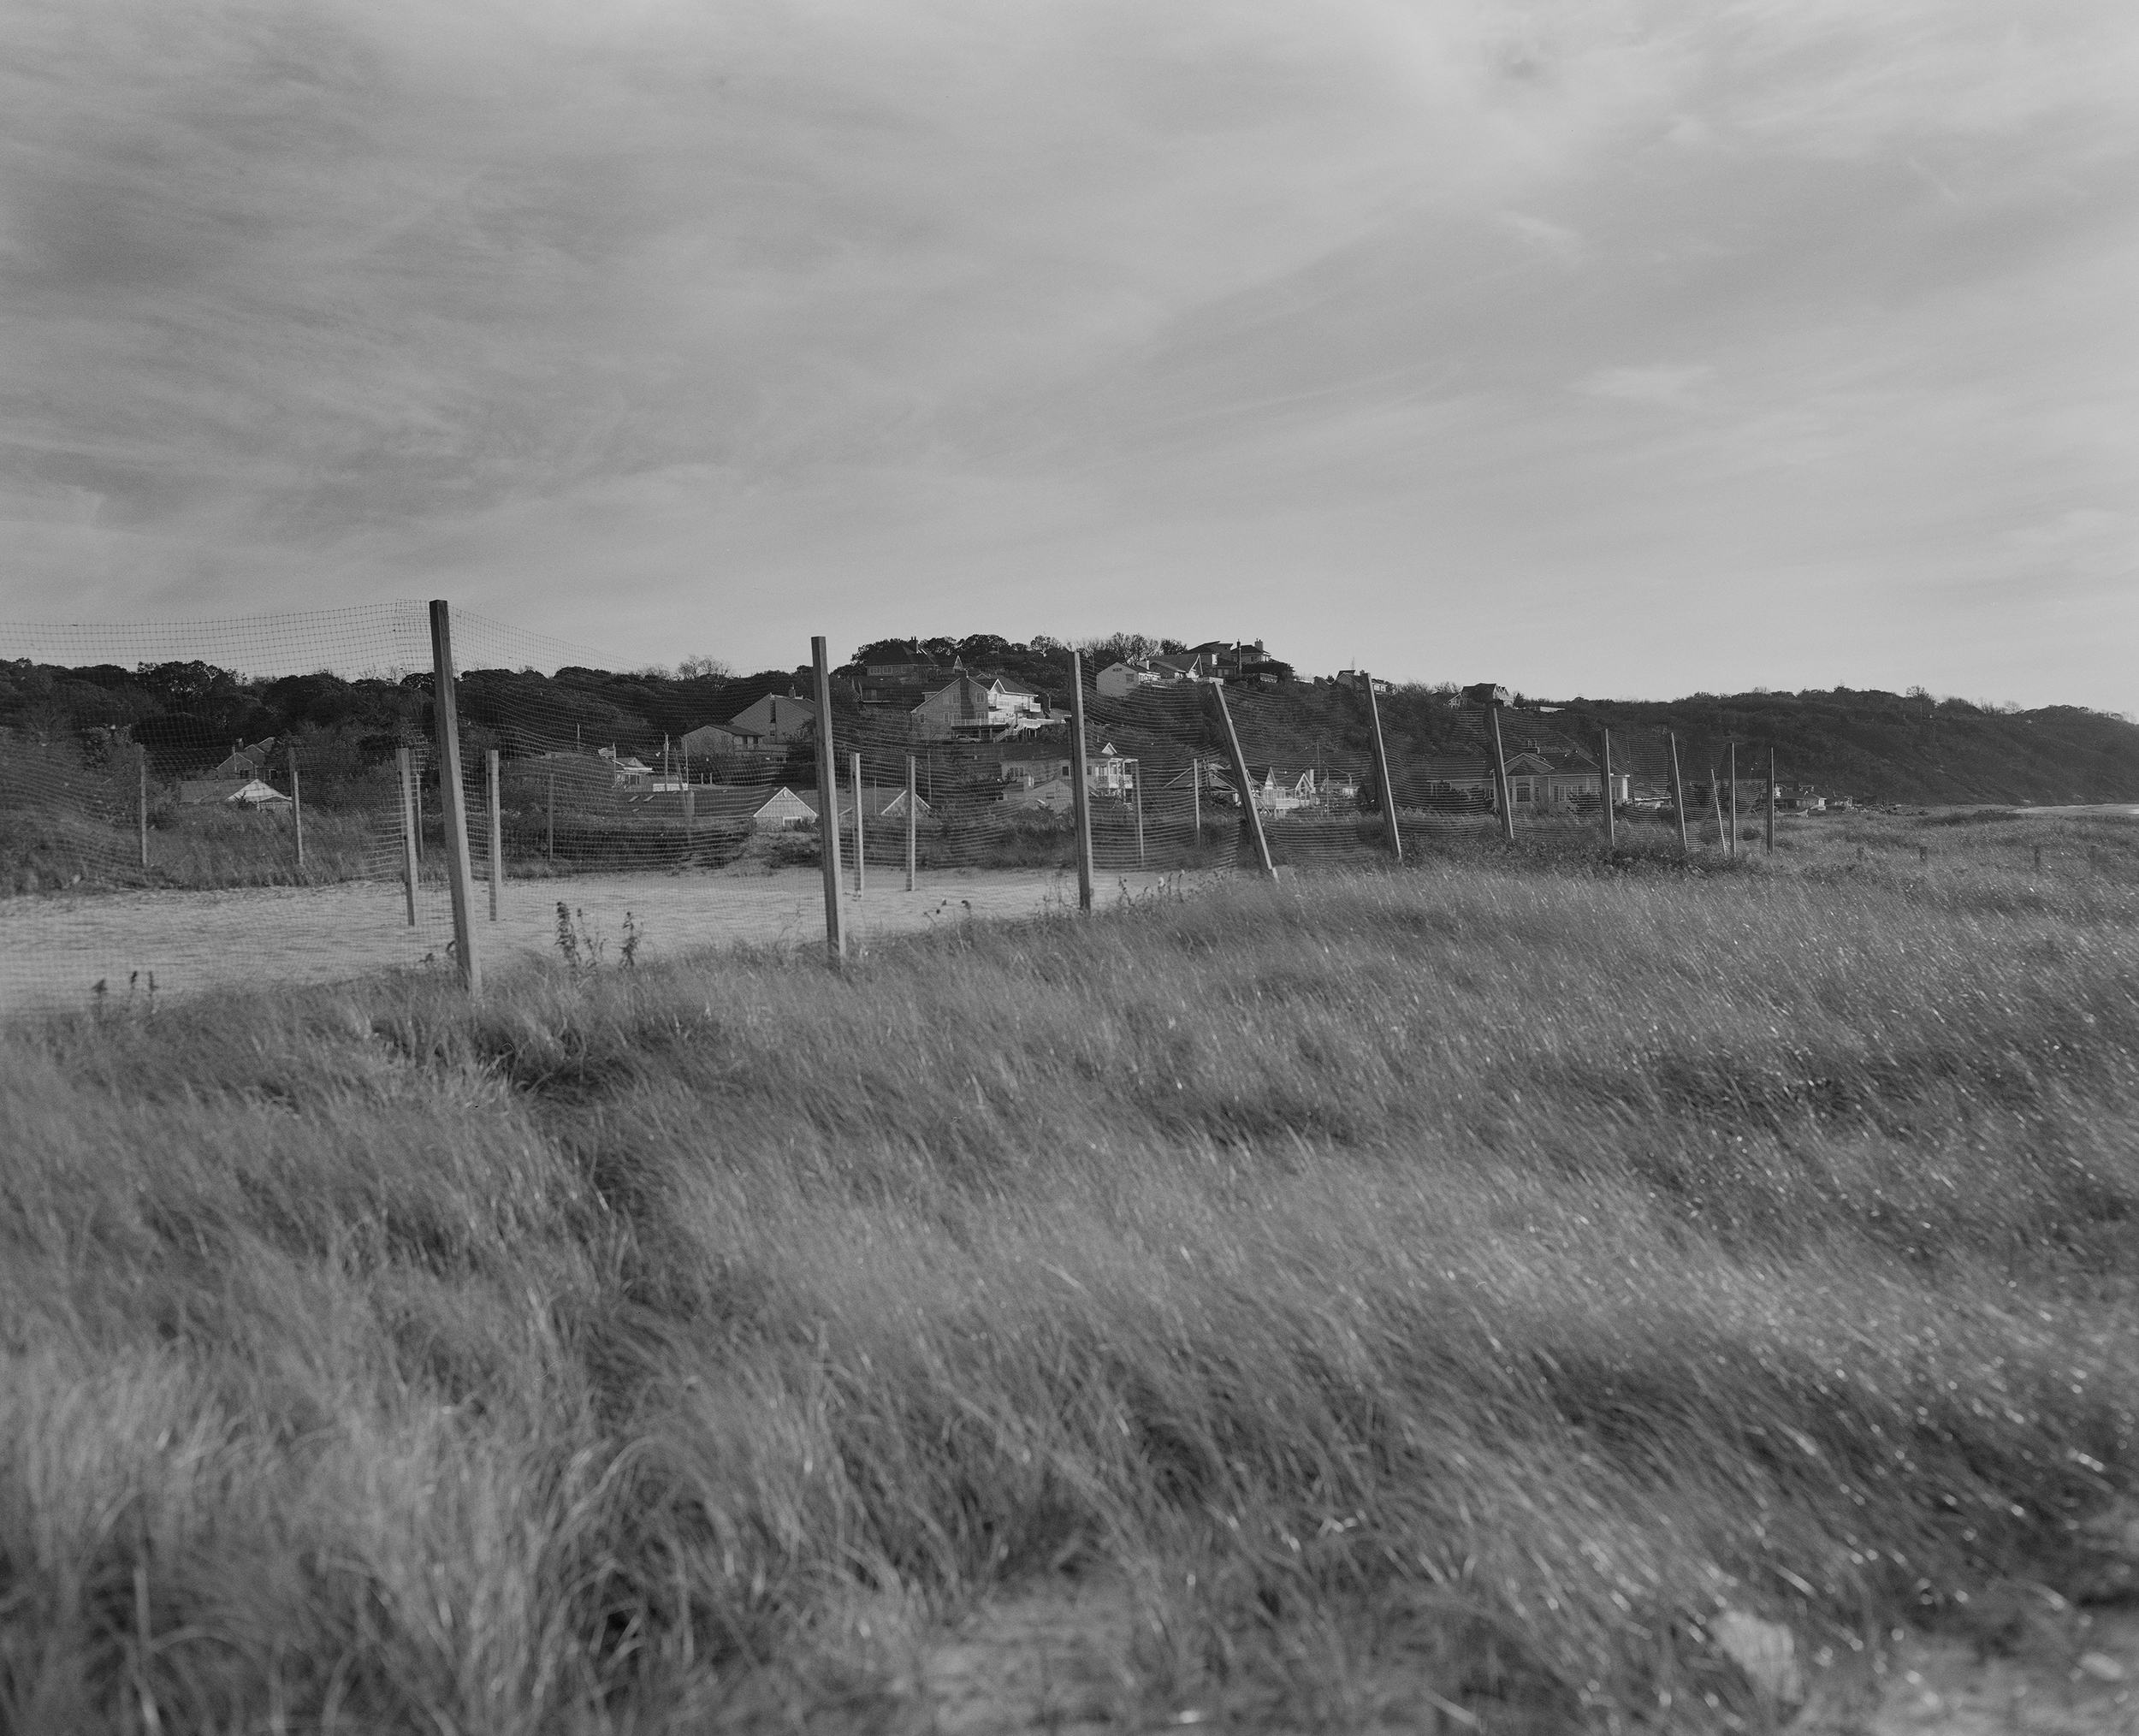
[[1496, 1265], [1886, 748]]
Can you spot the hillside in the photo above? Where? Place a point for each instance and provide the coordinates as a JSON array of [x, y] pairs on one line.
[[1874, 746], [1886, 746]]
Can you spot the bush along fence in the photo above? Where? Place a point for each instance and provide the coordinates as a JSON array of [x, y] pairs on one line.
[[410, 784]]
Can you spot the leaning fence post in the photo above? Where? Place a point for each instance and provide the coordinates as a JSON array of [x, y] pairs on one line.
[[913, 832], [404, 761], [445, 706], [1253, 816], [828, 806], [1381, 770], [1678, 792], [861, 832], [1611, 818], [1080, 796], [141, 807], [1771, 800], [497, 832], [1715, 802], [1500, 776]]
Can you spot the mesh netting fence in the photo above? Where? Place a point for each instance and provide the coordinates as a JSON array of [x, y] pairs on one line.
[[205, 803]]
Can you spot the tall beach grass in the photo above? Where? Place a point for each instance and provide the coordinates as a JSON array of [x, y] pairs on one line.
[[1479, 1278]]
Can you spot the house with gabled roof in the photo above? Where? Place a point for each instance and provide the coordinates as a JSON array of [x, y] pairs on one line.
[[778, 717], [1119, 680], [713, 741], [976, 708], [628, 770], [1535, 781], [734, 804], [238, 792], [245, 762]]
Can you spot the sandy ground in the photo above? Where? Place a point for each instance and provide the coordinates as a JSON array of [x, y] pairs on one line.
[[1057, 1656], [54, 949]]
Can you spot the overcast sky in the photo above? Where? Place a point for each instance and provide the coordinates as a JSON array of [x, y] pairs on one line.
[[1613, 348]]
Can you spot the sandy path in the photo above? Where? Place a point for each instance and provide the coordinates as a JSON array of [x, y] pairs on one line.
[[54, 948]]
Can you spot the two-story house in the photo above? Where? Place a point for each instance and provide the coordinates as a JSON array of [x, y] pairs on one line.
[[1119, 680], [978, 708]]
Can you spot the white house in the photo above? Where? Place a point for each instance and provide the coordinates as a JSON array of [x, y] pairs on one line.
[[978, 708], [241, 792], [1107, 772], [785, 809], [1119, 680], [628, 771]]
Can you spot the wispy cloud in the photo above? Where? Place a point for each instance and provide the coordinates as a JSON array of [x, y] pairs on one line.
[[1660, 383], [744, 321]]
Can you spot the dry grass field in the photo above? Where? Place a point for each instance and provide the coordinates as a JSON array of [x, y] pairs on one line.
[[1443, 1299]]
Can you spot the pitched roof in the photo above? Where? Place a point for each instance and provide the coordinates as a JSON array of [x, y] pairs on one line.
[[965, 699]]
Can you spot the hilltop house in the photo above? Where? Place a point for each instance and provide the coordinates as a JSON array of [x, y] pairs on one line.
[[1350, 678], [1239, 659], [1119, 680], [973, 707]]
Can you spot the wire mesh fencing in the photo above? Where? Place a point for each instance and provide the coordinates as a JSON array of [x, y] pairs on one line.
[[259, 800]]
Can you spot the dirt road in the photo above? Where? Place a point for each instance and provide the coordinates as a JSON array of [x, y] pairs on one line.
[[56, 948]]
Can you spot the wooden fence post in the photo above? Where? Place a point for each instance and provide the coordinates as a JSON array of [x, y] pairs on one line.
[[549, 831], [445, 708], [1381, 771], [1611, 817], [861, 832], [1136, 794], [297, 808], [1251, 816], [1678, 793], [1732, 751], [913, 832], [828, 807], [1500, 777], [1080, 796], [1715, 802], [1771, 800], [141, 807], [1195, 796], [497, 832], [406, 761]]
